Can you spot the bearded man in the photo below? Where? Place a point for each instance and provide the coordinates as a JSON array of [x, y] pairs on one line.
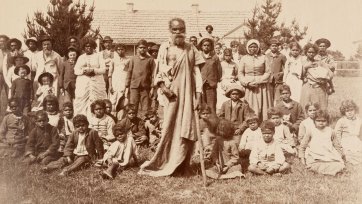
[[180, 82]]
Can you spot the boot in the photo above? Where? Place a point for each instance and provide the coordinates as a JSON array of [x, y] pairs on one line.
[[111, 171]]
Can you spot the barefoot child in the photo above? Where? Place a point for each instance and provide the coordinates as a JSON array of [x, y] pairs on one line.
[[65, 125], [320, 149]]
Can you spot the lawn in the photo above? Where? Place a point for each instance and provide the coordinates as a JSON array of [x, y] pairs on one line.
[[22, 184]]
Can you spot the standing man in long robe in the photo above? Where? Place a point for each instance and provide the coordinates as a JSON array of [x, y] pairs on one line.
[[180, 82]]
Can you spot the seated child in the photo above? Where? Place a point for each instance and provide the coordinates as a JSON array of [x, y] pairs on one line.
[[65, 125], [102, 123], [308, 123], [43, 141], [267, 156], [153, 128], [14, 130], [83, 147], [292, 111], [236, 110], [251, 136], [135, 125], [320, 149], [51, 107], [109, 109], [282, 134], [45, 89], [22, 88], [348, 130], [224, 154], [120, 152]]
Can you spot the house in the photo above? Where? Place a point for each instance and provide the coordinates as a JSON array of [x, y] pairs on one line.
[[130, 25]]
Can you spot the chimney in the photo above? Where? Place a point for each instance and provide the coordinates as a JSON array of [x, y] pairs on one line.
[[195, 8], [129, 7]]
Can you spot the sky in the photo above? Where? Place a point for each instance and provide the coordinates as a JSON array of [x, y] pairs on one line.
[[338, 20]]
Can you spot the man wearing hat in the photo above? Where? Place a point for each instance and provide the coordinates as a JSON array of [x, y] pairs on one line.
[[323, 44], [17, 61], [234, 45], [13, 47], [107, 56], [3, 51], [47, 60], [210, 72], [32, 44]]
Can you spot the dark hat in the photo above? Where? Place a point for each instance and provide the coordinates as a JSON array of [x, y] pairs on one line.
[[209, 26], [46, 74], [90, 41], [45, 38], [155, 47], [71, 49], [206, 39], [234, 42], [17, 41], [107, 39], [142, 42], [19, 56], [267, 126], [235, 87], [27, 41], [274, 41], [26, 67], [323, 40]]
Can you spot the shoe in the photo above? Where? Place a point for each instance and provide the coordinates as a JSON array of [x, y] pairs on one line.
[[107, 175], [64, 173]]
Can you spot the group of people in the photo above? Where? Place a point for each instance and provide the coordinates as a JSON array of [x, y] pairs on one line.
[[255, 111]]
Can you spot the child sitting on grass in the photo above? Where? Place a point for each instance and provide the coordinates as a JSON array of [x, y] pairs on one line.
[[267, 156], [320, 149], [43, 141], [251, 136], [102, 123], [14, 131], [65, 125], [153, 128], [51, 107], [120, 153], [83, 147], [109, 110], [308, 123], [135, 125], [348, 130]]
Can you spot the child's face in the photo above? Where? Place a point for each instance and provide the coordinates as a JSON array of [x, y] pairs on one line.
[[320, 123], [108, 108], [99, 111], [268, 136], [285, 46], [295, 51], [120, 135], [204, 115], [276, 119], [274, 48], [217, 49], [142, 50], [253, 124], [72, 55], [285, 95], [350, 113], [227, 58], [235, 95], [131, 114], [311, 53], [41, 121], [14, 107], [206, 47], [68, 112], [19, 62], [311, 112], [81, 127], [22, 73], [50, 106], [45, 80]]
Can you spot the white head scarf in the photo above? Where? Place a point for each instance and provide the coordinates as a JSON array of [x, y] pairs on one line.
[[253, 41]]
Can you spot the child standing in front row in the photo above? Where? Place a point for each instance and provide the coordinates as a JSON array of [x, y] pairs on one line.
[[22, 88], [320, 149], [65, 125], [348, 130], [67, 78]]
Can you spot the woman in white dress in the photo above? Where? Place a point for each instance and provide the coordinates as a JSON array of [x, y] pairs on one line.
[[90, 82], [293, 71]]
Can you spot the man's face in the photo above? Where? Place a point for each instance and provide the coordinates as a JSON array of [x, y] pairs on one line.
[[2, 43], [322, 48], [178, 31], [47, 45], [14, 46], [121, 51], [107, 44], [206, 47], [193, 41], [32, 46], [142, 49], [209, 30], [274, 48], [81, 127]]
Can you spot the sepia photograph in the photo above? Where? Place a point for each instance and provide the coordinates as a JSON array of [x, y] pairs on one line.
[[193, 101]]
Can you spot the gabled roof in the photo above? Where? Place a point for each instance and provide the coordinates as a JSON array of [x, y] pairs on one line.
[[130, 26]]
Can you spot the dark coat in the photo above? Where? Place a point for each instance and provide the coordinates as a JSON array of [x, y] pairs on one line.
[[41, 140], [211, 71], [140, 72]]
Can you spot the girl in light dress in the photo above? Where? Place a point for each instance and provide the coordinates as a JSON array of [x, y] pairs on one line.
[[293, 71]]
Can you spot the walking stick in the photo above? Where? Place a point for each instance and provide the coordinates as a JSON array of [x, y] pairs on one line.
[[202, 162]]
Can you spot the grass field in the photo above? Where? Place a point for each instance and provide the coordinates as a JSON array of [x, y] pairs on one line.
[[21, 184]]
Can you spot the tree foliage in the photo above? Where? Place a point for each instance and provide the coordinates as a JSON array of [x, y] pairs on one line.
[[62, 20], [337, 55]]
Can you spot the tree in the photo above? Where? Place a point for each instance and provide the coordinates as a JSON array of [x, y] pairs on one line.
[[62, 20], [337, 55], [358, 55], [263, 24]]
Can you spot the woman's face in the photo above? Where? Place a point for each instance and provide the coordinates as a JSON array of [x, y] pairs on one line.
[[88, 49], [311, 53], [311, 112], [253, 48], [295, 51]]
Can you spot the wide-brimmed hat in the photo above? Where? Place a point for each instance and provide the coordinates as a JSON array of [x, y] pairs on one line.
[[323, 40], [26, 67], [5, 36], [206, 39], [17, 41], [19, 56], [27, 41], [51, 77], [155, 47], [46, 38], [107, 39], [235, 87]]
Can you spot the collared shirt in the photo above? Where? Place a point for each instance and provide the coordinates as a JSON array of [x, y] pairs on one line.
[[49, 64], [31, 55], [81, 150], [267, 153]]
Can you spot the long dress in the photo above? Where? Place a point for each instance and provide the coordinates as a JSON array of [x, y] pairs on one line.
[[179, 128], [322, 151], [89, 88], [253, 69], [292, 76], [349, 131], [228, 74]]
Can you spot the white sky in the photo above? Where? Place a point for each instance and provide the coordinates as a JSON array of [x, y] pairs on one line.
[[338, 20]]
